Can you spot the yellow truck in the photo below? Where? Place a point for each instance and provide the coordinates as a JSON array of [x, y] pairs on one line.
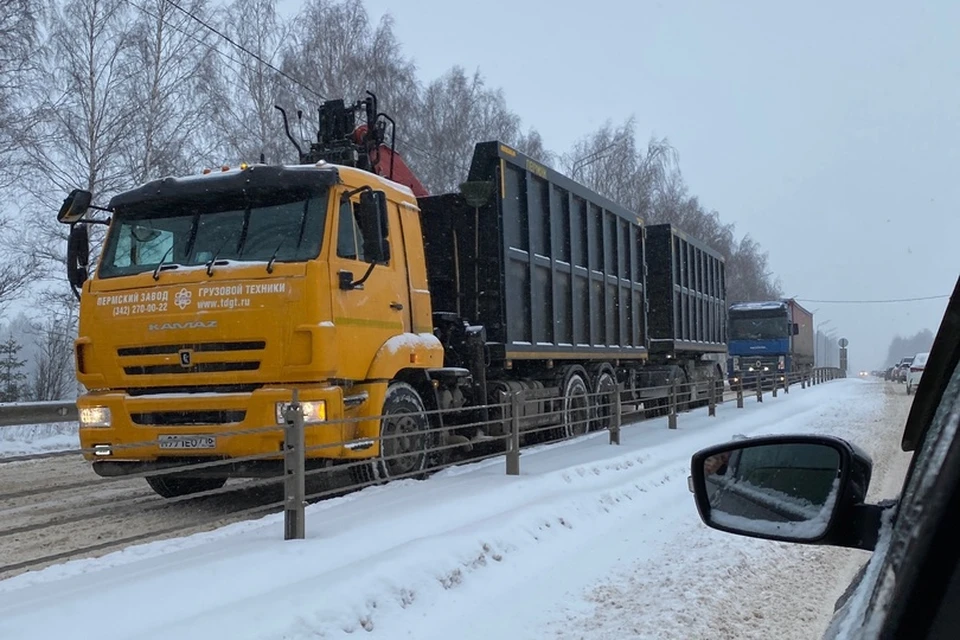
[[216, 295]]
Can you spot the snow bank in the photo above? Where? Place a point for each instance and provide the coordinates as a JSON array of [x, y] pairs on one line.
[[423, 559], [38, 438]]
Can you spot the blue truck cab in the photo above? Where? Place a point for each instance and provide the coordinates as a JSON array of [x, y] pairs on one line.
[[769, 338]]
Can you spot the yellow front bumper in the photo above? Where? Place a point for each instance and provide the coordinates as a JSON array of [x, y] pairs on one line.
[[252, 431]]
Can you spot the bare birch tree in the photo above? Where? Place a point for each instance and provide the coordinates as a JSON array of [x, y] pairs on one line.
[[457, 111], [171, 52], [19, 43], [84, 114], [246, 123], [52, 377]]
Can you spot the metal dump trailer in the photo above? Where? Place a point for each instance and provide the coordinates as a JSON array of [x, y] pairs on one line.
[[686, 313], [565, 283], [553, 270], [537, 283]]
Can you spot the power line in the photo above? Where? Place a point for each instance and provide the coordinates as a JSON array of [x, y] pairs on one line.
[[244, 49], [191, 37], [873, 301]]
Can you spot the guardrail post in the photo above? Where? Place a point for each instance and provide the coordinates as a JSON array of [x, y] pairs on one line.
[[759, 387], [776, 383], [712, 407], [740, 394], [617, 418], [513, 444], [294, 471], [786, 383], [672, 416]]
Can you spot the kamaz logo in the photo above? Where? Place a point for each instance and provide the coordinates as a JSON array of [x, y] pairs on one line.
[[169, 326]]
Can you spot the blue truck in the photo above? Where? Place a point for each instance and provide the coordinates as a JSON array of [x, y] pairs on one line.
[[770, 338]]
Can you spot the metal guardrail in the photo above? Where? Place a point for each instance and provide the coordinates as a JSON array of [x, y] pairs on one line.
[[14, 414], [548, 420]]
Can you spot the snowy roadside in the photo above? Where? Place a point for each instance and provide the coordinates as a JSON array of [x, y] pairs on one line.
[[467, 553], [729, 587], [38, 438]]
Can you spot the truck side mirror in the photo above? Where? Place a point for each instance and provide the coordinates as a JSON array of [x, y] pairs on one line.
[[372, 218], [74, 206], [78, 254], [796, 329], [792, 488]]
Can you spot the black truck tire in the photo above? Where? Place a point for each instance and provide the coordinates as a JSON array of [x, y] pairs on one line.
[[605, 399], [575, 402], [174, 487], [404, 438]]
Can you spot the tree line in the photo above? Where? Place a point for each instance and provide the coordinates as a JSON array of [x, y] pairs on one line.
[[107, 94], [908, 346]]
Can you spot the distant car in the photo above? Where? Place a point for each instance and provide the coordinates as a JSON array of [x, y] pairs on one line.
[[900, 371], [915, 371]]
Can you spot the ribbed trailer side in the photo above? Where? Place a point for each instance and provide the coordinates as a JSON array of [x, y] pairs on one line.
[[550, 268], [802, 347], [686, 292]]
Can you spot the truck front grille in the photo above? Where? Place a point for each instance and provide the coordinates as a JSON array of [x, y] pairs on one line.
[[164, 349], [202, 367], [205, 357], [178, 418]]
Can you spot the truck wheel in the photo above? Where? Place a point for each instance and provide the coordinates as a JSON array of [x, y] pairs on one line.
[[403, 445], [576, 403], [174, 487], [606, 398]]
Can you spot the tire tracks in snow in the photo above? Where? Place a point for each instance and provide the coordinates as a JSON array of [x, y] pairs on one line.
[[740, 588]]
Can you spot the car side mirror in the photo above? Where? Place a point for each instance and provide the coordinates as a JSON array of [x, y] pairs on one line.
[[78, 254], [798, 488], [372, 218], [796, 329], [74, 206]]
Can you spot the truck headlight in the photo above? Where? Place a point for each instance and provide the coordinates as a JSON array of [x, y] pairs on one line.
[[313, 412], [94, 417]]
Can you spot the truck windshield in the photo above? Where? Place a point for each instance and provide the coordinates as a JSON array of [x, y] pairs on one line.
[[285, 226], [758, 328]]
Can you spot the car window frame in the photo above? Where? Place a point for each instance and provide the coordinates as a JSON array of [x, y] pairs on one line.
[[898, 599], [912, 555]]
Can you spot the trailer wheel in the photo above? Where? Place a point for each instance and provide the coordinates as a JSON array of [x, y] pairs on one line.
[[173, 487], [576, 403], [606, 398], [404, 438]]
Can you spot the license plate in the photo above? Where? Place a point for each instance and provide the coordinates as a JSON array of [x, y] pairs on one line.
[[188, 442]]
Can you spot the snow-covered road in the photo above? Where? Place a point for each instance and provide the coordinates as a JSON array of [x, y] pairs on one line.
[[592, 541]]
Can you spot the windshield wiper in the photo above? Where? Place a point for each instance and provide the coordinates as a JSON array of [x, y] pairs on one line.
[[274, 256], [160, 265], [214, 258]]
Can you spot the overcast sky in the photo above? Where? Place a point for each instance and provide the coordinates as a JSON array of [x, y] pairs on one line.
[[830, 131]]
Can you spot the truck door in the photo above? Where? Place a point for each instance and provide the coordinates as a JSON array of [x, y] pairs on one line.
[[367, 317]]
